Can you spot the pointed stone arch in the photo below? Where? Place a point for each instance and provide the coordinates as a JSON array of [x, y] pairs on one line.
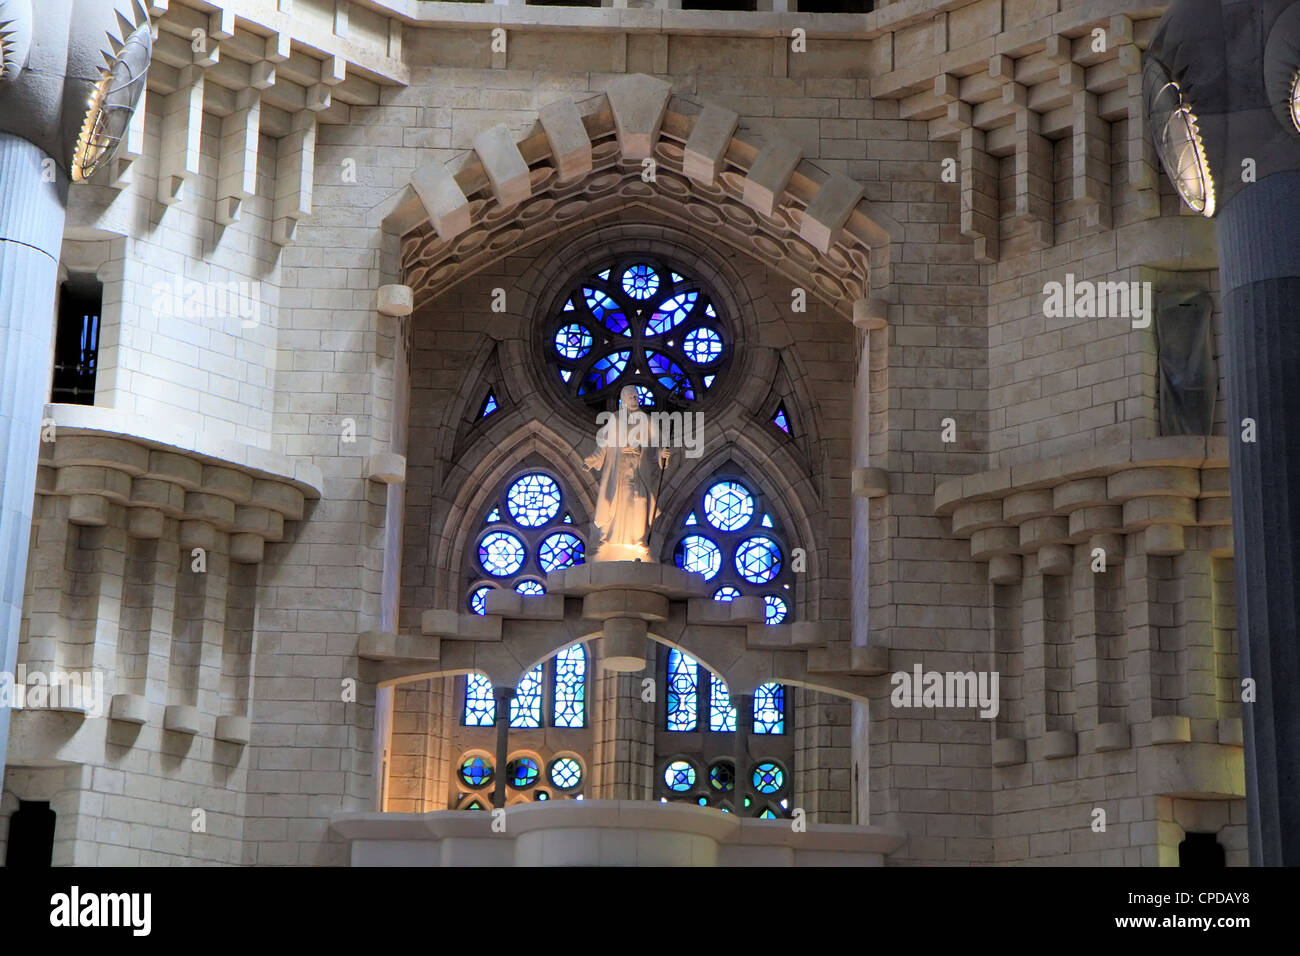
[[459, 425], [581, 159], [795, 504], [479, 476]]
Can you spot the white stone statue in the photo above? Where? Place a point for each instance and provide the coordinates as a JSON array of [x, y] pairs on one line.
[[630, 476]]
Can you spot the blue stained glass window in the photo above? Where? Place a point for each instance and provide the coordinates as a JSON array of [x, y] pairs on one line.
[[605, 371], [728, 505], [526, 708], [671, 313], [683, 690], [493, 516], [541, 795], [722, 776], [726, 594], [573, 341], [768, 777], [679, 776], [480, 705], [568, 518], [703, 345], [767, 521], [560, 550], [530, 587], [769, 709], [640, 282], [478, 599], [758, 559], [636, 302], [722, 712], [522, 772], [571, 687], [767, 814], [566, 773], [780, 420], [476, 771], [501, 554], [669, 374], [691, 519], [533, 500], [774, 609], [489, 406], [697, 553], [475, 805]]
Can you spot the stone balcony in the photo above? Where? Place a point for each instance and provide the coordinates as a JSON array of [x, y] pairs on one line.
[[605, 833]]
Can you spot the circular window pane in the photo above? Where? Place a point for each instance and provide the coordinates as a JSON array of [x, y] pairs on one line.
[[726, 594], [758, 559], [534, 500], [560, 550], [635, 323], [529, 587], [768, 777], [475, 771], [640, 282], [573, 341], [697, 553], [679, 776], [501, 554], [522, 772], [478, 599], [703, 345], [728, 505], [722, 776], [566, 773], [774, 609]]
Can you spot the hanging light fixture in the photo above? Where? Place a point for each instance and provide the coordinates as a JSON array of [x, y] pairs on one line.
[[1178, 139], [112, 103]]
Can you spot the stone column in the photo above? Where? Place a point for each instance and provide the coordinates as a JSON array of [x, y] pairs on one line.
[[1259, 254], [744, 704], [31, 233], [503, 695]]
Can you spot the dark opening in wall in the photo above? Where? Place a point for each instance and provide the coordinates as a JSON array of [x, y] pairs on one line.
[[76, 341], [742, 5], [1201, 851], [31, 836], [834, 6]]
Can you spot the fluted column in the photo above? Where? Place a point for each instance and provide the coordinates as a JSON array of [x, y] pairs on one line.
[[31, 232], [1259, 253]]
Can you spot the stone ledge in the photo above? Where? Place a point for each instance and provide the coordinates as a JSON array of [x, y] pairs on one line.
[[1171, 729], [461, 625], [182, 719], [129, 709], [1111, 736], [386, 467], [233, 730], [1058, 744], [870, 483]]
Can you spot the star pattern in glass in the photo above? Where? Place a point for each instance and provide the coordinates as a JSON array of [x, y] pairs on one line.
[[501, 554], [566, 773], [699, 554], [534, 500], [758, 559], [728, 505], [526, 708], [679, 776]]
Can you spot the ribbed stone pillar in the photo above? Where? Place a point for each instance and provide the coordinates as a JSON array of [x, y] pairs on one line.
[[1259, 259], [31, 232]]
